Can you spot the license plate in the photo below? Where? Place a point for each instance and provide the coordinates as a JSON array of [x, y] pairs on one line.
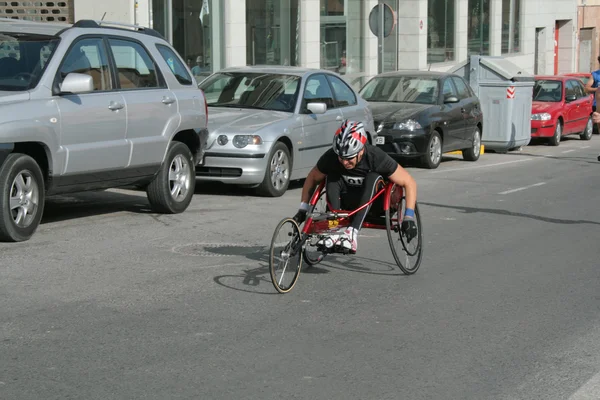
[[380, 140]]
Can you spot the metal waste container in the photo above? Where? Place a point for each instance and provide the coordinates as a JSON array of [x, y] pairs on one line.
[[505, 92]]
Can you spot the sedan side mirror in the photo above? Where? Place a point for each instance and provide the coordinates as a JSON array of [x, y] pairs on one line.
[[77, 83], [450, 99], [317, 108], [570, 97]]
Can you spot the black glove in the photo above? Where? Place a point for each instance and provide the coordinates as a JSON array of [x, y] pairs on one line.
[[300, 217], [409, 228]]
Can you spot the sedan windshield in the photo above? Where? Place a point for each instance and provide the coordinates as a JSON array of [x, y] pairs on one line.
[[402, 89], [252, 90], [547, 90], [23, 58]]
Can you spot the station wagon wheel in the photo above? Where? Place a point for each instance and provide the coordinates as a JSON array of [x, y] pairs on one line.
[[22, 198], [555, 140], [588, 131], [433, 152], [473, 152], [278, 172], [172, 189]]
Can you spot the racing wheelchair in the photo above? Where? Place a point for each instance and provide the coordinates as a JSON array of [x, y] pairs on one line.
[[291, 244]]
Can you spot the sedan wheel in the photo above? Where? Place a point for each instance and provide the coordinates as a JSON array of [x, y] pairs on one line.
[[588, 131], [473, 152], [432, 158], [278, 172], [555, 140]]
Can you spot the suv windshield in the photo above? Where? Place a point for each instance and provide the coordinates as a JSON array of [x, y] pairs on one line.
[[402, 89], [252, 90], [547, 90], [23, 58]]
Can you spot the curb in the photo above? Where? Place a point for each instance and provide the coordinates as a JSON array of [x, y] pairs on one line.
[[458, 152]]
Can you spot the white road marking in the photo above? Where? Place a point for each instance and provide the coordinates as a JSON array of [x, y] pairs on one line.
[[567, 151], [522, 188], [480, 166], [589, 391], [584, 147]]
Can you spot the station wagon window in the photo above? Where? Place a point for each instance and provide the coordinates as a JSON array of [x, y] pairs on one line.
[[317, 90], [343, 94], [175, 64], [547, 90], [88, 56], [258, 90], [134, 65]]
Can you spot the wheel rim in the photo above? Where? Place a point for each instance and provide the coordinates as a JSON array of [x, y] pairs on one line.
[[285, 256], [280, 170], [476, 142], [24, 199], [558, 131], [180, 179], [589, 127], [435, 150]]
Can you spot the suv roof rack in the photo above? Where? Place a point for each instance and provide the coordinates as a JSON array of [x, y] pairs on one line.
[[90, 23]]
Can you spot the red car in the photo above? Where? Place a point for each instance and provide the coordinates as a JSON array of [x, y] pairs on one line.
[[560, 107]]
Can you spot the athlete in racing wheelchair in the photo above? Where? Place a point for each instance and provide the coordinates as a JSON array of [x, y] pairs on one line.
[[352, 169]]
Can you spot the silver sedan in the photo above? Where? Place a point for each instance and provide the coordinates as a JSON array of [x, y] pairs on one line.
[[269, 125]]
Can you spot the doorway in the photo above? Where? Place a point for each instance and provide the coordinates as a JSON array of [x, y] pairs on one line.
[[585, 49]]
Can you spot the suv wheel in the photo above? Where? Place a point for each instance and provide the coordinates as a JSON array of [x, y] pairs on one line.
[[172, 189], [22, 198]]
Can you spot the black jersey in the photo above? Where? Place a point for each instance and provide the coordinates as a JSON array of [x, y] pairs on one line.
[[374, 160]]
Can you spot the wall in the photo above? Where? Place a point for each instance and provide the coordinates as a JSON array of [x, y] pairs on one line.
[[116, 10], [589, 18]]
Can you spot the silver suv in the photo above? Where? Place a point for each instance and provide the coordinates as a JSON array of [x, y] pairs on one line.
[[92, 106]]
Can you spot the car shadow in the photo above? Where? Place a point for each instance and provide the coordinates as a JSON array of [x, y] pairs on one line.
[[474, 210], [86, 204]]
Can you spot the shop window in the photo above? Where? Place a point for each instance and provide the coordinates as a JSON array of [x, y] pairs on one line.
[[272, 32], [440, 30], [478, 28], [511, 22], [192, 34]]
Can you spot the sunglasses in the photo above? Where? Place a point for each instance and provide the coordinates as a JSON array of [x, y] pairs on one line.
[[347, 159]]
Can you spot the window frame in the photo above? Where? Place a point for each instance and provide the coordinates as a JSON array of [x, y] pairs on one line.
[[453, 29], [308, 78], [57, 78], [162, 83], [335, 99], [513, 19], [178, 59]]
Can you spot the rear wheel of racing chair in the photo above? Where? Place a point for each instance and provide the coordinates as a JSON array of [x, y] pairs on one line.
[[407, 254], [312, 256], [285, 256]]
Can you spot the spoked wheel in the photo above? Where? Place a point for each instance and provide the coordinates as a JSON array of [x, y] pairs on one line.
[[407, 253], [285, 258], [312, 256]]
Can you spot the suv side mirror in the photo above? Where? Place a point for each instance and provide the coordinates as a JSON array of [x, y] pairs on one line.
[[77, 83], [317, 108], [570, 97], [450, 99]]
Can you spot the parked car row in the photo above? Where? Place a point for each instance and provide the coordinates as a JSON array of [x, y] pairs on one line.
[[98, 105]]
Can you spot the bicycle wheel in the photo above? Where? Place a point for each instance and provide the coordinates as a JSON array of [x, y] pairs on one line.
[[407, 254], [285, 257], [312, 256]]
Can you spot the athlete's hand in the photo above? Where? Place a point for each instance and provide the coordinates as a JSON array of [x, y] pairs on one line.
[[300, 217], [409, 227]]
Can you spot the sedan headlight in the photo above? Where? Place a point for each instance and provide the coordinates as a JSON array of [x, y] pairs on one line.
[[241, 141], [541, 117], [408, 125]]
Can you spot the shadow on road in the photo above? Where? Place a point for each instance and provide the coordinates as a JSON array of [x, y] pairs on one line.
[[473, 210]]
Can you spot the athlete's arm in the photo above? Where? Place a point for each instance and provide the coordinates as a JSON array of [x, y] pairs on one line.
[[588, 86], [313, 179], [401, 177]]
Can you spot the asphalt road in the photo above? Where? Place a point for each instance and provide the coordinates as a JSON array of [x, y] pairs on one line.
[[109, 301]]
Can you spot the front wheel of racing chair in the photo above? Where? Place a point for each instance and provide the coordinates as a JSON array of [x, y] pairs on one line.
[[311, 254], [407, 254]]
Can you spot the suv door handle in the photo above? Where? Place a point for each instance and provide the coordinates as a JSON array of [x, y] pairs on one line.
[[168, 100], [114, 106]]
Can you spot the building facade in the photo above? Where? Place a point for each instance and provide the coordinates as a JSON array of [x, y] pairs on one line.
[[588, 17], [357, 38]]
